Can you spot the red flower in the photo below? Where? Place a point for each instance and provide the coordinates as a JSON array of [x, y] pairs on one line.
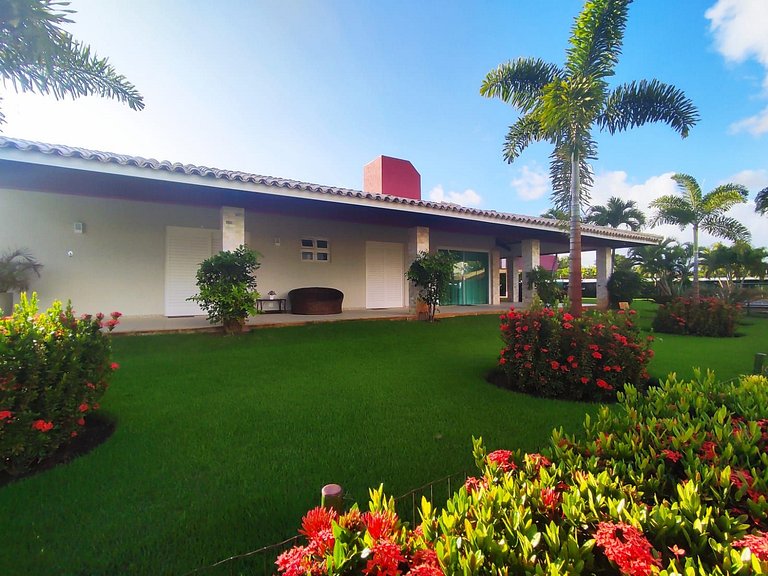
[[676, 550], [81, 422], [502, 458], [5, 414], [473, 484], [672, 455], [627, 547], [550, 498], [116, 315], [708, 450], [584, 380], [603, 384], [554, 364], [567, 317], [567, 325], [114, 366], [83, 407], [503, 360], [757, 543], [537, 460], [379, 524], [317, 519], [386, 559], [571, 358], [73, 434], [597, 355], [42, 425], [293, 562]]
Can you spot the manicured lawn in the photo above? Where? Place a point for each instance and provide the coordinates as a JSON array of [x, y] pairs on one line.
[[223, 443]]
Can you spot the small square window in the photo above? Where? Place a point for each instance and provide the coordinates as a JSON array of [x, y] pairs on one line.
[[322, 244], [322, 256], [315, 249], [307, 255], [305, 243]]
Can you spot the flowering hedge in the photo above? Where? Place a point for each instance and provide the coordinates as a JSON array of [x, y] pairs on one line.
[[710, 317], [551, 353], [54, 369], [669, 483]]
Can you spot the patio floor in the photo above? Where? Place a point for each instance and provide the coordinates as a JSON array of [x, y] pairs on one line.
[[153, 324]]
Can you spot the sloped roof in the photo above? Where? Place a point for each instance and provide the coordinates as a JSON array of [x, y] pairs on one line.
[[150, 164]]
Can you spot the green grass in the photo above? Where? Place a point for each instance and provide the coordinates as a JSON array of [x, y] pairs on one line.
[[223, 443]]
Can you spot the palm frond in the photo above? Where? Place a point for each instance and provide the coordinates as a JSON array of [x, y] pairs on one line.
[[690, 188], [522, 133], [761, 202], [725, 227], [642, 102], [672, 210], [596, 38], [519, 82], [724, 197]]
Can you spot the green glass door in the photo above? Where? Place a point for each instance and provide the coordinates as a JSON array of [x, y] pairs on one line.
[[469, 285]]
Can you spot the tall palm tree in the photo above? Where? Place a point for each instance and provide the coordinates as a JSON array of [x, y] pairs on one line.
[[617, 213], [37, 55], [563, 106], [703, 212], [761, 202]]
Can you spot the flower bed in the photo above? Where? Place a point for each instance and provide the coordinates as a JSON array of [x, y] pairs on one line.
[[671, 483], [708, 317], [54, 369], [551, 353]]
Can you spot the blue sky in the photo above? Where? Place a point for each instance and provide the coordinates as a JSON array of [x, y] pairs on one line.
[[313, 90]]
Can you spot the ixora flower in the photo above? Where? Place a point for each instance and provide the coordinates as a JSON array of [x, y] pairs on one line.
[[386, 559], [502, 459], [5, 415], [42, 425], [757, 544], [380, 525], [316, 526], [627, 547], [114, 366], [294, 561]]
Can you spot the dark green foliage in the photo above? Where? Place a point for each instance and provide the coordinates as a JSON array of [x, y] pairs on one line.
[[707, 317], [623, 286], [432, 272], [548, 290], [228, 287], [16, 266], [54, 368]]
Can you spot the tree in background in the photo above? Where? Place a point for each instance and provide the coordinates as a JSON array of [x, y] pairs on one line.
[[431, 273], [731, 265], [668, 264], [617, 213], [703, 212], [761, 202], [37, 55], [563, 106]]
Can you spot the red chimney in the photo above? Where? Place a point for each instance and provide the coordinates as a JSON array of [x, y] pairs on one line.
[[392, 176]]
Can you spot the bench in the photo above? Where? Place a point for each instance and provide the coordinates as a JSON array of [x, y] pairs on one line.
[[316, 300]]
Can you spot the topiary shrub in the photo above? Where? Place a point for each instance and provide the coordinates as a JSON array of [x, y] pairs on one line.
[[674, 482], [551, 353], [227, 288], [708, 317], [623, 286], [54, 369]]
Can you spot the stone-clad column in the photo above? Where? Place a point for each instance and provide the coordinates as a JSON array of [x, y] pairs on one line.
[[604, 262], [232, 227], [495, 265], [531, 260]]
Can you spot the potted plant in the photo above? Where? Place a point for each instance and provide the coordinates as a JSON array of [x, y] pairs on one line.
[[16, 267]]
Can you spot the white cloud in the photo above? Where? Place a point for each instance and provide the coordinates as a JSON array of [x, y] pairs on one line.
[[754, 180], [531, 183], [467, 198], [755, 125]]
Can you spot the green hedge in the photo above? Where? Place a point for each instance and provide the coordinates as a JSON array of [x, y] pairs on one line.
[[708, 317], [674, 482], [54, 369]]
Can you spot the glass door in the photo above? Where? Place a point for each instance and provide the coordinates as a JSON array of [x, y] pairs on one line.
[[469, 285]]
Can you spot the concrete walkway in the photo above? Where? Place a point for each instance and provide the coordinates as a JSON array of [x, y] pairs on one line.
[[155, 324]]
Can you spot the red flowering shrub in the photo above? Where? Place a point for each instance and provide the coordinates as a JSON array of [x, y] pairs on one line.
[[710, 317], [627, 547], [551, 353], [54, 368]]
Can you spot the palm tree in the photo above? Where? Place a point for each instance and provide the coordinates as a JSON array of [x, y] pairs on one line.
[[667, 263], [761, 202], [562, 106], [617, 213], [702, 212], [37, 55], [555, 214]]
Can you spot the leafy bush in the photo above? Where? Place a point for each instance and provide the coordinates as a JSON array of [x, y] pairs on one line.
[[551, 353], [228, 288], [54, 369], [431, 273], [545, 282], [623, 286], [710, 317], [671, 483]]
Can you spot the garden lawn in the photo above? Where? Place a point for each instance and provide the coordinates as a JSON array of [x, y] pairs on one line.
[[223, 443]]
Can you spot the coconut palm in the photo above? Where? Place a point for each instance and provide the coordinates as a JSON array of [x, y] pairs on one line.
[[37, 55], [703, 212], [617, 213], [563, 106], [761, 202]]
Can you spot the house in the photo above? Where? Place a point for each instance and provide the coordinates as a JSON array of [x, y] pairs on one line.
[[128, 233]]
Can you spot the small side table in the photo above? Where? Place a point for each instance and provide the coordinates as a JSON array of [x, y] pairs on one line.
[[281, 305]]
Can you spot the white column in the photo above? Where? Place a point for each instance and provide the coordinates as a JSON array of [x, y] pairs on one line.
[[531, 260], [418, 241], [495, 265], [513, 275], [232, 227], [604, 263]]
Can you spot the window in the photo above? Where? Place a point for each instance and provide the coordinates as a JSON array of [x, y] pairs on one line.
[[315, 250]]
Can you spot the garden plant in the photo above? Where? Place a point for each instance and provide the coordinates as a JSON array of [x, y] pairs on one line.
[[431, 273], [705, 317]]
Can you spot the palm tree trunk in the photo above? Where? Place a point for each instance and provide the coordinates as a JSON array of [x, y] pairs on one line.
[[574, 257], [696, 293]]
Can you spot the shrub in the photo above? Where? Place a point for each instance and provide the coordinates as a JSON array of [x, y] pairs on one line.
[[710, 317], [551, 353], [431, 273], [671, 483], [228, 288], [54, 369], [623, 286], [545, 282]]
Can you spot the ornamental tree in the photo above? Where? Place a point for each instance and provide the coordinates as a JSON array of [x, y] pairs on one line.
[[431, 273]]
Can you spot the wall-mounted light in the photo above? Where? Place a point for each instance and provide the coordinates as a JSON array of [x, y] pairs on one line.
[[79, 228], [276, 241]]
